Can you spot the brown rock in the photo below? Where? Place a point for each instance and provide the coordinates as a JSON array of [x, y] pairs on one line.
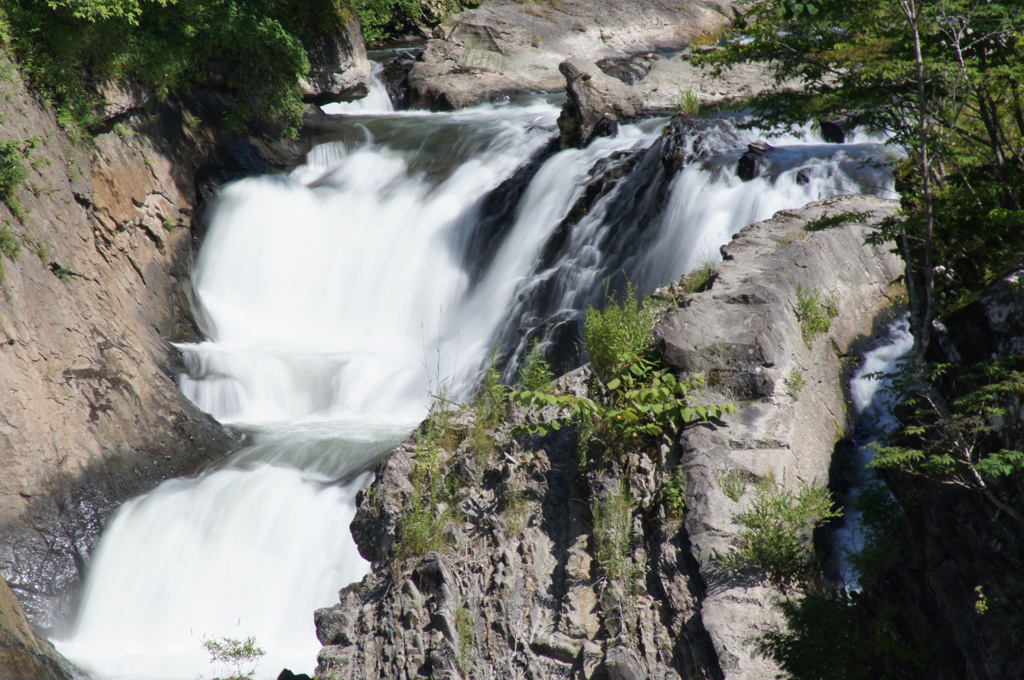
[[23, 654]]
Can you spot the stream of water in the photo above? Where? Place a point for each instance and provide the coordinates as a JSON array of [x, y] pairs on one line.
[[335, 298], [873, 405]]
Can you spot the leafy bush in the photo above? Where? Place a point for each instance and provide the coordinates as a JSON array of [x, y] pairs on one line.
[[386, 19], [950, 421], [774, 538], [536, 372], [170, 45], [637, 398], [241, 655], [640, 402]]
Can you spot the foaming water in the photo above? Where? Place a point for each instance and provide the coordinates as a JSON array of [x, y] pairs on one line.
[[335, 298]]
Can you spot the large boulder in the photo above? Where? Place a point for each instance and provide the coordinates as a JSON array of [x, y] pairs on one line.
[[595, 105], [339, 70]]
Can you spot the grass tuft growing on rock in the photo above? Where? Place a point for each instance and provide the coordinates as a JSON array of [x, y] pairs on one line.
[[814, 311], [13, 172], [613, 535]]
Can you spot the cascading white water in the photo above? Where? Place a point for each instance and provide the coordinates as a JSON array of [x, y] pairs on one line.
[[334, 300], [376, 101], [873, 405]]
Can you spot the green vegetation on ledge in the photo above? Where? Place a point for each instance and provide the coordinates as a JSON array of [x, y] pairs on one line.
[[69, 48], [384, 20]]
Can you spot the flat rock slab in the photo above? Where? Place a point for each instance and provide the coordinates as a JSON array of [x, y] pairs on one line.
[[505, 46]]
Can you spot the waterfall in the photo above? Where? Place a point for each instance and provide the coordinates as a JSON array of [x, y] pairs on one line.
[[873, 405], [377, 101], [335, 298]]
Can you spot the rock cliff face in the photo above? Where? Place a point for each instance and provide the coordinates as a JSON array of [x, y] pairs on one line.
[[23, 654], [745, 331], [524, 587], [98, 243], [91, 412]]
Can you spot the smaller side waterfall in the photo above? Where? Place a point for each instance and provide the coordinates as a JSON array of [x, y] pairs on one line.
[[376, 101], [873, 405]]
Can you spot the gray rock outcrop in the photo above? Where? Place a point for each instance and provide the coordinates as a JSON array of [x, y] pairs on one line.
[[521, 587], [504, 46], [339, 70], [595, 104], [91, 412], [744, 331]]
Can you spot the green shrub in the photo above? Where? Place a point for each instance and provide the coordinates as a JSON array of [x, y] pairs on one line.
[[673, 493], [637, 398], [773, 540], [639, 402], [13, 172], [732, 483], [536, 372], [241, 655], [420, 531], [169, 47], [794, 383], [617, 334]]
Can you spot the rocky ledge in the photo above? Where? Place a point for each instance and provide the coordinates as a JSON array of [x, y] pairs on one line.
[[521, 584], [505, 47]]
